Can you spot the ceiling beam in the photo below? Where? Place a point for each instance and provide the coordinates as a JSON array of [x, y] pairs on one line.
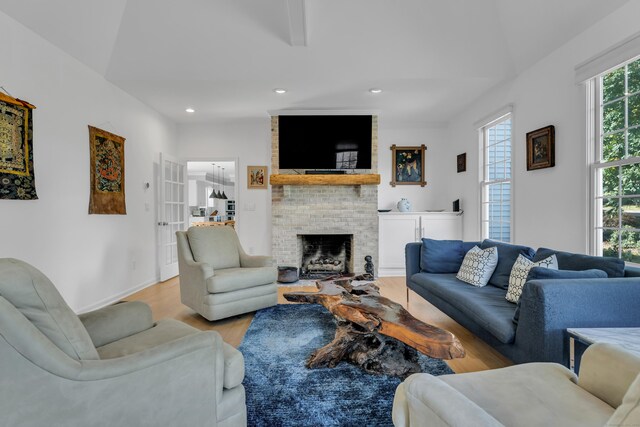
[[297, 22]]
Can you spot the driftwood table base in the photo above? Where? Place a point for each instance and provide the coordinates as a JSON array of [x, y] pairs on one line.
[[374, 332]]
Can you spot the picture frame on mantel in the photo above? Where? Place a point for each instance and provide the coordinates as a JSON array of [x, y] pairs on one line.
[[541, 147], [257, 177], [407, 165]]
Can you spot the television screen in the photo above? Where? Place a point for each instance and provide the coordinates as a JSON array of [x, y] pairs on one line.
[[324, 142]]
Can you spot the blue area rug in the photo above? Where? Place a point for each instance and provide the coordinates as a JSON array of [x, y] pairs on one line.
[[281, 391]]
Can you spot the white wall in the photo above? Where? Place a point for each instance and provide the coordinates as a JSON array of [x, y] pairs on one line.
[[250, 141], [435, 138], [88, 257], [550, 204]]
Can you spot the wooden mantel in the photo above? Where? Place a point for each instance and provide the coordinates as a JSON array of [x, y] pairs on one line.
[[346, 179]]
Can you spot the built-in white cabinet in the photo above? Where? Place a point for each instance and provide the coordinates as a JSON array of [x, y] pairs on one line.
[[396, 229]]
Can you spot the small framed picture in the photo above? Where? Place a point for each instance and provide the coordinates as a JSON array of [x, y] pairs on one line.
[[541, 147], [462, 162], [408, 165], [256, 177]]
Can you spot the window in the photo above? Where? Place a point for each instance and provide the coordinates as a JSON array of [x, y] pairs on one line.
[[496, 185], [616, 167]]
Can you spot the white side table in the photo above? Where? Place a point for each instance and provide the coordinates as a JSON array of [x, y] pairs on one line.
[[581, 338]]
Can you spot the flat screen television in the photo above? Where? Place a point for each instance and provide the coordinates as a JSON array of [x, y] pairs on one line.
[[324, 142]]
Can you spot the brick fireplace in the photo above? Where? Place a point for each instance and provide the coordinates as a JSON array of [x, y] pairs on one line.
[[331, 210]]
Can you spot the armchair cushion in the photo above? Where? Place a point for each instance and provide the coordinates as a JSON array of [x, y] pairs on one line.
[[39, 301], [628, 413], [216, 246], [164, 331], [532, 394], [233, 279], [117, 321]]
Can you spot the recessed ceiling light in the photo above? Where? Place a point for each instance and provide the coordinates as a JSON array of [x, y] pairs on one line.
[[375, 90], [280, 91], [190, 110]]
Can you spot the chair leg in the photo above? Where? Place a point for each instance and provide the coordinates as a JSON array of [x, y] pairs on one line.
[[407, 298]]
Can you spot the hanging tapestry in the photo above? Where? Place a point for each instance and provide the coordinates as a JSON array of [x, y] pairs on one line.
[[16, 150], [107, 173]]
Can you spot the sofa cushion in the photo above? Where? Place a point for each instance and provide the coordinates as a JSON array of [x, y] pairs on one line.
[[233, 367], [542, 273], [478, 265], [216, 246], [486, 305], [520, 271], [443, 256], [233, 279], [33, 294], [507, 255], [614, 267]]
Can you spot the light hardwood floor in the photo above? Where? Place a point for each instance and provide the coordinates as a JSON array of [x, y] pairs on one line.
[[164, 299]]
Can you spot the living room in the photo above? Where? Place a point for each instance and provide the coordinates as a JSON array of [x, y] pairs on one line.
[[446, 73]]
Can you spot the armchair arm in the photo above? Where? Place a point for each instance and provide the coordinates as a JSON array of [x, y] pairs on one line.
[[118, 321], [253, 261], [423, 400], [607, 371], [549, 307]]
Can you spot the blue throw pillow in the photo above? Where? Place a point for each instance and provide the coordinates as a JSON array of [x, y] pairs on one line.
[[441, 256], [614, 267], [541, 273], [507, 256]]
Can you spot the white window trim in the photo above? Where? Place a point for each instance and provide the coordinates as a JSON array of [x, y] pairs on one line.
[[593, 132], [496, 117]]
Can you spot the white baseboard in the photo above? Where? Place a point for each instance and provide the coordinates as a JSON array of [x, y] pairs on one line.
[[115, 298], [389, 272]]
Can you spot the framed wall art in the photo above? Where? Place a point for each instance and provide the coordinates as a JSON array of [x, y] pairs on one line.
[[107, 195], [257, 177], [541, 147], [17, 180], [462, 162], [407, 164]]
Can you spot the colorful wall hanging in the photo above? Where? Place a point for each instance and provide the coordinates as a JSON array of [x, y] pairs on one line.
[[17, 180], [256, 177], [107, 173], [407, 164]]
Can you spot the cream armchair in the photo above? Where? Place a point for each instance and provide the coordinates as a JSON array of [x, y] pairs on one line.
[[109, 367], [532, 394], [218, 279]]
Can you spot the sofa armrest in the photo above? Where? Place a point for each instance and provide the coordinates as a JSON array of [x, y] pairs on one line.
[[424, 400], [412, 259], [254, 261], [549, 307], [118, 321], [607, 371]]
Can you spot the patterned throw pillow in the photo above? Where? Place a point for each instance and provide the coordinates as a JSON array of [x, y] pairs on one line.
[[519, 274], [478, 266]]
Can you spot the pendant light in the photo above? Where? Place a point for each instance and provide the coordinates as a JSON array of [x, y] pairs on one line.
[[214, 195], [223, 196]]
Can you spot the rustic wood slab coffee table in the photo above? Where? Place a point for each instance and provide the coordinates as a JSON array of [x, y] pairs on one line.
[[374, 332]]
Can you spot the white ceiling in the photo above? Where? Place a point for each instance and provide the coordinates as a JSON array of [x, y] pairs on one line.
[[223, 57]]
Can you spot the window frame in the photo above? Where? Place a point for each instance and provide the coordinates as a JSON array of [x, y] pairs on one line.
[[595, 137], [484, 184]]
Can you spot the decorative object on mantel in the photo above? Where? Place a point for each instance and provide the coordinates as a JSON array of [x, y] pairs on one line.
[[107, 195], [462, 162], [404, 205], [541, 148], [17, 180], [256, 177], [368, 267], [408, 165]]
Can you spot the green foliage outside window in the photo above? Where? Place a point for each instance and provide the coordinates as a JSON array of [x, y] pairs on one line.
[[620, 183]]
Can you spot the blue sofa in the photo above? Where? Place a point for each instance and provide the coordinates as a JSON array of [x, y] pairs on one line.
[[546, 309]]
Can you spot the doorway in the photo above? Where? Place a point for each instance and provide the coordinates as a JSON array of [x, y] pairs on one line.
[[212, 193]]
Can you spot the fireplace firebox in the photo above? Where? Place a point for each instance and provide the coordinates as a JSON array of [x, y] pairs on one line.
[[324, 255]]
